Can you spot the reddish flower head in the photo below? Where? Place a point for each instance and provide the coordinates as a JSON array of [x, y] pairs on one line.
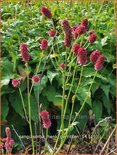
[[66, 27], [94, 56], [68, 33], [46, 12], [8, 141], [46, 119], [67, 41], [24, 52], [84, 23], [92, 38], [81, 29], [82, 56], [62, 65], [74, 28], [52, 33], [75, 48], [75, 34], [99, 63], [35, 79], [15, 83], [44, 44]]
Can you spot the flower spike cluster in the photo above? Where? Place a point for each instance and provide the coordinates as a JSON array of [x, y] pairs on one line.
[[68, 33], [46, 12], [8, 141], [45, 119], [24, 52]]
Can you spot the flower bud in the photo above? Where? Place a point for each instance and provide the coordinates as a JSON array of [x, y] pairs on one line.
[[46, 12], [84, 23], [99, 63], [24, 52], [92, 38], [62, 65], [45, 119], [15, 83], [82, 56], [35, 79], [81, 29], [44, 44], [52, 33], [75, 48], [94, 56]]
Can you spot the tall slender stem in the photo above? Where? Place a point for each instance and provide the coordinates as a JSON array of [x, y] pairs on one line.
[[23, 105], [74, 97], [83, 104], [29, 109]]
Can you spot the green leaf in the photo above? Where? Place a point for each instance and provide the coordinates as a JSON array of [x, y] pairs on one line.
[[16, 103], [51, 75], [52, 95], [7, 70], [97, 109], [5, 82], [44, 81], [5, 108], [82, 93], [107, 104], [106, 89]]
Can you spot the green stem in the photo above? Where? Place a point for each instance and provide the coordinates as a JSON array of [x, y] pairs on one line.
[[85, 98], [87, 46], [65, 108], [46, 140], [63, 97], [23, 104], [74, 97], [29, 109], [77, 113]]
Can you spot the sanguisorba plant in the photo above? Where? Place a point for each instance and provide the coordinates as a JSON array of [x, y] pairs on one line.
[[75, 51]]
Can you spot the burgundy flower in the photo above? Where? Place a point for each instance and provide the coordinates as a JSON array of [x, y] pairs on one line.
[[92, 38], [68, 33], [67, 42], [8, 141], [94, 56], [44, 44], [15, 83], [75, 35], [46, 12], [81, 29], [62, 65], [45, 119], [74, 28], [66, 26], [82, 56], [24, 52], [52, 33], [35, 79], [84, 23], [75, 48], [99, 63]]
